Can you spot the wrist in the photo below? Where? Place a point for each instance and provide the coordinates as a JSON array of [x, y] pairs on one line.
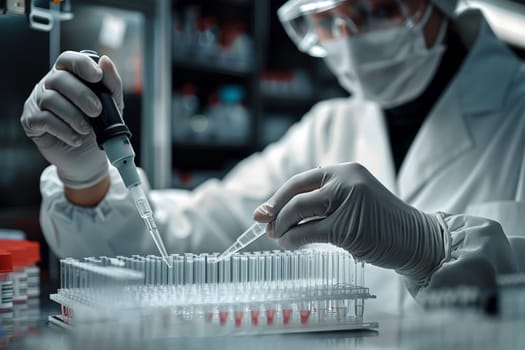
[[74, 177], [90, 196], [438, 251]]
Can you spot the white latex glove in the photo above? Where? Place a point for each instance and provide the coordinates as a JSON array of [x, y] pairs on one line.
[[55, 117], [360, 215]]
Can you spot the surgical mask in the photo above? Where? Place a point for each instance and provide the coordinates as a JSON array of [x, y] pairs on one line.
[[389, 67]]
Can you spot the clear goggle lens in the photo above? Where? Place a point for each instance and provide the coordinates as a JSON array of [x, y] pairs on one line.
[[309, 22]]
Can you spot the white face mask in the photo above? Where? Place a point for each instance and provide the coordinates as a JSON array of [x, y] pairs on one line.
[[390, 67]]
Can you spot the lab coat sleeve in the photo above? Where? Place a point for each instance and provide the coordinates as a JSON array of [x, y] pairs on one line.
[[206, 219], [479, 252]]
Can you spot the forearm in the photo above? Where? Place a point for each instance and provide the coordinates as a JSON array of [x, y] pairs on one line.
[[88, 197]]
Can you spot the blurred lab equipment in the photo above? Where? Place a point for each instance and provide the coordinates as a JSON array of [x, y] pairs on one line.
[[185, 105], [205, 40], [231, 120], [286, 84], [6, 285], [224, 120], [40, 14], [24, 273]]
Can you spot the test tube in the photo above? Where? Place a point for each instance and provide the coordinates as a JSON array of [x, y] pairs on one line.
[[253, 272], [212, 268], [295, 267], [225, 270], [303, 268], [348, 270], [236, 267], [335, 269], [164, 270], [276, 266], [188, 268], [139, 264], [311, 271], [69, 272], [243, 268], [286, 267], [261, 264], [171, 271], [268, 266], [63, 277], [200, 269], [360, 278], [157, 263], [178, 269], [147, 270]]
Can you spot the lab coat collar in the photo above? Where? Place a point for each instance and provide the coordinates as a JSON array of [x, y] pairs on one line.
[[489, 60], [479, 88]]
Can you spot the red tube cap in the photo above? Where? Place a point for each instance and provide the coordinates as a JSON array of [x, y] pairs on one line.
[[6, 262]]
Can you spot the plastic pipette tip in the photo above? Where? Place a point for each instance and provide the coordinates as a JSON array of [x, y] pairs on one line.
[[167, 261], [235, 247]]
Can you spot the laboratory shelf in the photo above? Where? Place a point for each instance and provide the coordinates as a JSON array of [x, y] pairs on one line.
[[217, 68], [198, 72], [206, 156], [288, 101]]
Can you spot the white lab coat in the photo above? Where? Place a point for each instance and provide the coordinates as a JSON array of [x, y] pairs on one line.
[[468, 158]]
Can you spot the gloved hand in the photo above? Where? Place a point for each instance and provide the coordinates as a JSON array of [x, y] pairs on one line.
[[55, 117], [357, 214]]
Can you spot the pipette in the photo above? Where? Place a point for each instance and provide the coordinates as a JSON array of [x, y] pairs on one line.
[[113, 138], [246, 238]]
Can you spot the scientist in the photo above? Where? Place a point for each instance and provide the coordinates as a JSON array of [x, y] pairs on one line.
[[421, 172]]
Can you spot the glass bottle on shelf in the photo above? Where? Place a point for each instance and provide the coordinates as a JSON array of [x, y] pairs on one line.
[[184, 106], [231, 118]]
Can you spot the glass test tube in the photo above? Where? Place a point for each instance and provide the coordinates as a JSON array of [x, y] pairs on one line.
[[188, 268], [225, 270], [253, 272], [200, 269], [163, 268], [178, 270], [295, 267], [212, 269], [276, 266], [268, 266], [261, 267], [360, 278], [236, 262], [243, 268]]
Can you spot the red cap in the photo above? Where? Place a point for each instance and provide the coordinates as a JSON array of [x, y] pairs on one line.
[[18, 250], [6, 262], [33, 249]]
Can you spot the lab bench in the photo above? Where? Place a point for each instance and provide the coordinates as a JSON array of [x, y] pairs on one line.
[[444, 329]]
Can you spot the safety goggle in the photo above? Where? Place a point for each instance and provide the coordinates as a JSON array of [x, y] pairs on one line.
[[309, 22]]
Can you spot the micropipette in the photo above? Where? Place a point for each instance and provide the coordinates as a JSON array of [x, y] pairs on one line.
[[246, 238], [113, 137]]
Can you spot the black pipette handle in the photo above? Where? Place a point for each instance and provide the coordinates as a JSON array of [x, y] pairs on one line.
[[109, 123]]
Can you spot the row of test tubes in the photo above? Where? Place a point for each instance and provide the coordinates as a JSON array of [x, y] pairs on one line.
[[269, 287], [306, 268]]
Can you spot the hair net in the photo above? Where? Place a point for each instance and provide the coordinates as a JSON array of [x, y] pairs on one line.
[[447, 6]]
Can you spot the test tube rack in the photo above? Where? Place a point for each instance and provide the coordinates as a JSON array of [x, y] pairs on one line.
[[247, 293]]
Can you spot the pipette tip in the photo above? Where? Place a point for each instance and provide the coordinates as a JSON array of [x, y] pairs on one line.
[[167, 261]]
